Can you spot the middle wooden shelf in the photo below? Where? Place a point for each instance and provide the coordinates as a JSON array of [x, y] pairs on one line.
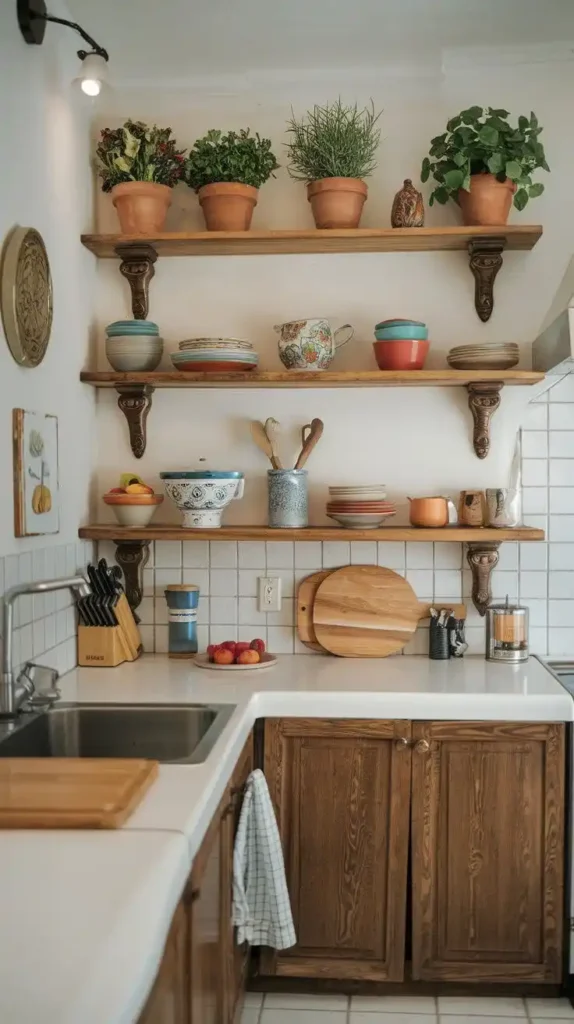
[[460, 534]]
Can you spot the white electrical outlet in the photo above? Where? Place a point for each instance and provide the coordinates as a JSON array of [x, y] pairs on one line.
[[269, 593]]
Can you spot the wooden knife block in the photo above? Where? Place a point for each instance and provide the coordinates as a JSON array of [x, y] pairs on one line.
[[108, 646]]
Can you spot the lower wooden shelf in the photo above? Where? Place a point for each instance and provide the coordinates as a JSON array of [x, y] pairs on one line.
[[458, 534]]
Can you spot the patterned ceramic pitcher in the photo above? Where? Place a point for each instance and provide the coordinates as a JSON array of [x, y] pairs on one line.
[[310, 344]]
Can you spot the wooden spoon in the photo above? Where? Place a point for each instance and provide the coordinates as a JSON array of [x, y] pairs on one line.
[[315, 432], [272, 428], [259, 435]]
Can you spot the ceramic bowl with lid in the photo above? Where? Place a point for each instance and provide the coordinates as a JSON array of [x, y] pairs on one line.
[[201, 495]]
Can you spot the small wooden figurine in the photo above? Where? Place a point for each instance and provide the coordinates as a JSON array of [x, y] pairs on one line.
[[408, 209]]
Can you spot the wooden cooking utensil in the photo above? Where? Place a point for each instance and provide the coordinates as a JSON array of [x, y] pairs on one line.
[[315, 432], [259, 435], [70, 792], [272, 428], [305, 598], [365, 611]]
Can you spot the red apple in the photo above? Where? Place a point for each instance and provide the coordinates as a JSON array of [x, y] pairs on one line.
[[211, 651], [258, 645], [229, 645], [241, 646]]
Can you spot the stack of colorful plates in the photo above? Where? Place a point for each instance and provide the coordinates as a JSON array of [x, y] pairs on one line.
[[359, 507], [484, 356], [215, 355]]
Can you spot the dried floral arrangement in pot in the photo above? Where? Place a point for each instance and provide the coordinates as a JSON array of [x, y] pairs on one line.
[[139, 165], [227, 171], [332, 149], [482, 162]]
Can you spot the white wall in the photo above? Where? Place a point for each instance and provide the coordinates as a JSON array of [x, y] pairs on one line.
[[46, 184], [417, 441]]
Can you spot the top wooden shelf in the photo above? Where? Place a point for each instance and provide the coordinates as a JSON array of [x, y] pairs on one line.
[[257, 243]]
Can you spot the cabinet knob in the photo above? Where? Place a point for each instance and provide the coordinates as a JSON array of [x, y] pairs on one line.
[[422, 747], [402, 743]]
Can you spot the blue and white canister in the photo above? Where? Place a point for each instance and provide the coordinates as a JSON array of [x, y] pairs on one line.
[[182, 601], [288, 504]]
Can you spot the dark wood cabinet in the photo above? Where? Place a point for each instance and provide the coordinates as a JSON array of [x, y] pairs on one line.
[[168, 1000], [341, 794], [487, 833], [207, 953]]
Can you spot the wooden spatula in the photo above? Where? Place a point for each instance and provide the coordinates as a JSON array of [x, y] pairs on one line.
[[272, 428], [259, 435], [315, 432]]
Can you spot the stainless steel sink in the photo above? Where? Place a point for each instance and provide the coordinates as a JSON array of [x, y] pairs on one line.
[[172, 733]]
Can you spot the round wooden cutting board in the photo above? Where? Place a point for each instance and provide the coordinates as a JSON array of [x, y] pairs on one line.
[[305, 597], [364, 611]]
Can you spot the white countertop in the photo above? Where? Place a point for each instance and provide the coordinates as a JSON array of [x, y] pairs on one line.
[[85, 914]]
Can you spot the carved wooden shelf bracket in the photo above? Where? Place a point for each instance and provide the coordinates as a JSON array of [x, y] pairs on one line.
[[137, 266], [131, 556], [483, 400], [485, 262], [482, 557], [135, 403]]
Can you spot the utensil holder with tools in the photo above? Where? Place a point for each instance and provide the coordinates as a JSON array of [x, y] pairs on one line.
[[107, 634]]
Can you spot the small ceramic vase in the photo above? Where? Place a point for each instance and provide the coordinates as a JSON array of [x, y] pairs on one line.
[[182, 601], [408, 210], [471, 508], [288, 505]]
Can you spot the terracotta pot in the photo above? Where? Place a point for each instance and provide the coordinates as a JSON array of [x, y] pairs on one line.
[[228, 205], [141, 206], [337, 202], [488, 201]]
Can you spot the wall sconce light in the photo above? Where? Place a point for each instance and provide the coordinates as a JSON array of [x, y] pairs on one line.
[[32, 18]]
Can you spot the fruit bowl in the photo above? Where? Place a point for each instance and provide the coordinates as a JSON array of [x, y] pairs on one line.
[[236, 656], [133, 502]]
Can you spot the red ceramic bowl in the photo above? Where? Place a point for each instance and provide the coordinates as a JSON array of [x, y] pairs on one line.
[[401, 355]]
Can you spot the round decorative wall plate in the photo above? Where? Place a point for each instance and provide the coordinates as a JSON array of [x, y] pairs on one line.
[[26, 296]]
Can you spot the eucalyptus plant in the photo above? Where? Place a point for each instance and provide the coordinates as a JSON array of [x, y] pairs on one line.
[[479, 141], [137, 152], [238, 157], [334, 141]]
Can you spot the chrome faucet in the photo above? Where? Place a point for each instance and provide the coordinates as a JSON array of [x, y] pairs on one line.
[[13, 692]]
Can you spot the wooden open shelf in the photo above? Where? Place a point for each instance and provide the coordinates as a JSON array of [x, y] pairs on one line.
[[310, 379], [269, 243], [459, 534]]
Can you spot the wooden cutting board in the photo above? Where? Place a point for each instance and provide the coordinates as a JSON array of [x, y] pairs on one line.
[[365, 611], [71, 792], [306, 592]]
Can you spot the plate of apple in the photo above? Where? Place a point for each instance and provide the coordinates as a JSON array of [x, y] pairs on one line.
[[240, 656], [134, 502]]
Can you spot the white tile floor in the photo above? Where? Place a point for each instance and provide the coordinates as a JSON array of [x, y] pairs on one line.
[[336, 1009]]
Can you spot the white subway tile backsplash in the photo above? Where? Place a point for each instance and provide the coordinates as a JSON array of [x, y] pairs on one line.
[[561, 641], [336, 553], [504, 584], [218, 634], [563, 390], [422, 582], [532, 584], [38, 638], [507, 557], [202, 638], [538, 640], [196, 554], [420, 555], [561, 416], [538, 609], [249, 582], [363, 552], [391, 554], [146, 611], [534, 472], [249, 613], [148, 583], [534, 500], [561, 584], [533, 556], [448, 556], [165, 576], [561, 613], [223, 554], [251, 554], [561, 528], [535, 442], [287, 577], [561, 556], [561, 472], [561, 500], [27, 643], [284, 617], [561, 444], [223, 610], [280, 554], [538, 522], [161, 639], [476, 639], [280, 639], [200, 577], [168, 554], [308, 554], [146, 633], [223, 583], [447, 584], [25, 567], [160, 611], [535, 418]]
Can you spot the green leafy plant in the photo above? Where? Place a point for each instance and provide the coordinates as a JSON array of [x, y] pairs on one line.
[[235, 157], [479, 141], [333, 141], [136, 152]]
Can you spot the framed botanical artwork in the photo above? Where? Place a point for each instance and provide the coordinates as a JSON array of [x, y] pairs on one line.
[[36, 487]]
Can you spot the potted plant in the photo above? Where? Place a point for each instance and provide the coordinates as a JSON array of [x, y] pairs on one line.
[[333, 148], [227, 171], [481, 162], [139, 166]]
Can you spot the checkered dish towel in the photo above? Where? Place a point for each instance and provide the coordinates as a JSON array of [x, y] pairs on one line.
[[261, 907]]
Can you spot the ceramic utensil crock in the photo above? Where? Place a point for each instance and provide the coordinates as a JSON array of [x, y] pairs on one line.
[[310, 344], [432, 512], [288, 504]]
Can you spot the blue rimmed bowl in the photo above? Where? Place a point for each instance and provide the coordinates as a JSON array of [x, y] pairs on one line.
[[136, 327], [398, 323], [201, 495], [406, 332]]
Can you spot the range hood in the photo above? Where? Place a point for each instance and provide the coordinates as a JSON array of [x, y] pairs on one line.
[[553, 350]]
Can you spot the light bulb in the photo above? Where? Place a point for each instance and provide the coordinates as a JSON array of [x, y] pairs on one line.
[[91, 86]]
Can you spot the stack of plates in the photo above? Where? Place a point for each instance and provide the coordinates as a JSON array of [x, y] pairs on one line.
[[486, 356], [124, 328], [359, 507], [215, 355]]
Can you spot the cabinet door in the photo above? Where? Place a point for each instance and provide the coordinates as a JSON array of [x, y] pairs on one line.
[[207, 953], [487, 834], [341, 794], [168, 1000]]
